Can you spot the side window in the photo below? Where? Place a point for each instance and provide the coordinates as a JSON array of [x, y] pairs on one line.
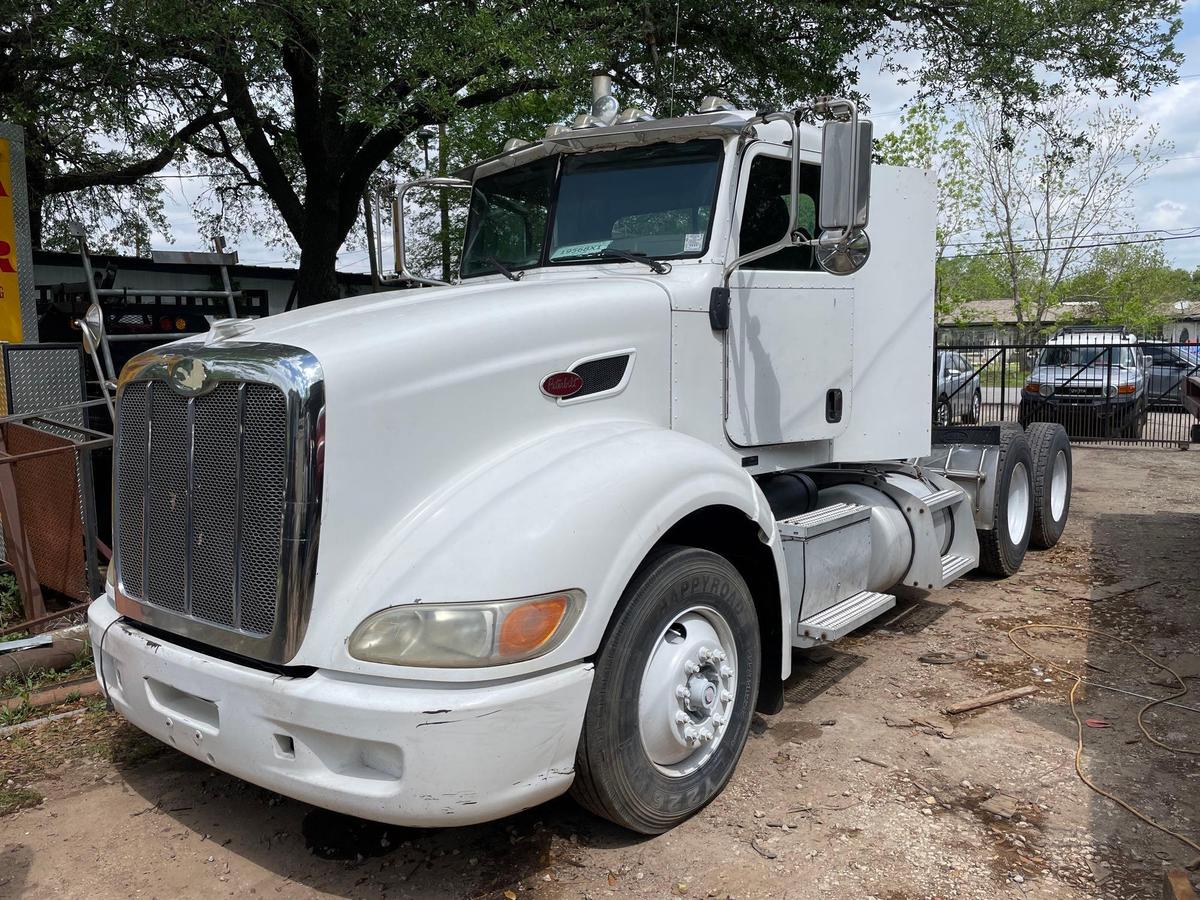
[[765, 213]]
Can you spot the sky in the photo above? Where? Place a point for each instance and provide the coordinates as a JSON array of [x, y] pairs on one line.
[[1169, 199]]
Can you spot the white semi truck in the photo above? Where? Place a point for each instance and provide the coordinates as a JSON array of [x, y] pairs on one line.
[[436, 555]]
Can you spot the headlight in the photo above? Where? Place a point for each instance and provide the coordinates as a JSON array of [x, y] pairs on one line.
[[1046, 389], [460, 635], [1112, 390]]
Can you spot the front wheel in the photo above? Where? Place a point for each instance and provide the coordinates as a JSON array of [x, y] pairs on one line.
[[673, 693]]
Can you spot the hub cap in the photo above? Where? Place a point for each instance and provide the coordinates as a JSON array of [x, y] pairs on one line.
[[1058, 486], [687, 693], [976, 407], [1018, 503]]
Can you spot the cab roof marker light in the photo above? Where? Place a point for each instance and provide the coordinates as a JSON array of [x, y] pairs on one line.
[[711, 104]]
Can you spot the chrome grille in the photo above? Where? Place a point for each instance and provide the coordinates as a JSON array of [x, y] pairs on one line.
[[207, 476]]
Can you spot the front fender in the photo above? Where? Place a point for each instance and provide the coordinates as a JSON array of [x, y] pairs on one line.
[[579, 508]]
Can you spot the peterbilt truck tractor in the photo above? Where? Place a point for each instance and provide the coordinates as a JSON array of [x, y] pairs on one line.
[[439, 554]]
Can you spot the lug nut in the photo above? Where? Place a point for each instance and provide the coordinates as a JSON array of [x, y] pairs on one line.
[[726, 672], [705, 654], [690, 667], [718, 722], [681, 691], [726, 696], [682, 718], [689, 735], [706, 735], [719, 655]]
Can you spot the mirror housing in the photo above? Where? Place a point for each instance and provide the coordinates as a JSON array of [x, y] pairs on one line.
[[845, 174]]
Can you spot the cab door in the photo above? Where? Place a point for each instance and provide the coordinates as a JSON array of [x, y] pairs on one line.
[[789, 348]]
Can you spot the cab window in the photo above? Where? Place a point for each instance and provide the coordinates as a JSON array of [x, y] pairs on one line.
[[765, 213]]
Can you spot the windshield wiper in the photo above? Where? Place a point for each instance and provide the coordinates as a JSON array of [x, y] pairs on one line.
[[505, 270], [658, 266]]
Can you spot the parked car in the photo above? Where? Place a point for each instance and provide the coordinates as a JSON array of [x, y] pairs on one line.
[[1167, 368], [1090, 380], [958, 394]]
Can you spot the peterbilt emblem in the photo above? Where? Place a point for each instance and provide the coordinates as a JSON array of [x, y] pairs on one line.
[[561, 384], [188, 376]]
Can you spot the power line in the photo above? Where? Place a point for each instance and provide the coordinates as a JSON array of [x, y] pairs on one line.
[[1095, 234], [1155, 240]]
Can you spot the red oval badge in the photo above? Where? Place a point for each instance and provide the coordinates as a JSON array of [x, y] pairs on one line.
[[561, 384]]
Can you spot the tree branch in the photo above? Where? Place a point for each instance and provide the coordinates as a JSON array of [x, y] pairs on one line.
[[130, 172]]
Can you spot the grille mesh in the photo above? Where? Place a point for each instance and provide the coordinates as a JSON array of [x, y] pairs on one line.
[[166, 500], [131, 482], [213, 487], [601, 374]]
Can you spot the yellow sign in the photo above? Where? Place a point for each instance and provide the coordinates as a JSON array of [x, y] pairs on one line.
[[10, 290]]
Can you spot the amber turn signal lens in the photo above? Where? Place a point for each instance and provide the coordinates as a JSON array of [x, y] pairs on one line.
[[1126, 388], [1033, 387], [529, 626]]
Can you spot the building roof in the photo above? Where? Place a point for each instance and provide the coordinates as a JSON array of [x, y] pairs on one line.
[[1000, 312], [142, 264]]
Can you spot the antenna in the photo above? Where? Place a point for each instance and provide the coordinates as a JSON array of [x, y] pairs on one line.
[[674, 56]]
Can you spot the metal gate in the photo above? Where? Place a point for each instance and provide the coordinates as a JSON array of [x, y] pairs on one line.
[[1102, 385]]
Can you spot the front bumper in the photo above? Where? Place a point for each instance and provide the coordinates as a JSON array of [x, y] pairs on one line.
[[1069, 410], [393, 751]]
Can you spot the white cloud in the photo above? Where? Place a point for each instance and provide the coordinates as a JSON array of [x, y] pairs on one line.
[[1167, 214]]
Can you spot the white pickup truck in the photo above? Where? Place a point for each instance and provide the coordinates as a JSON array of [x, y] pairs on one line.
[[437, 555]]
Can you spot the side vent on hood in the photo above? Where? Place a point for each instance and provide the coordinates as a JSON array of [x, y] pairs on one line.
[[600, 375]]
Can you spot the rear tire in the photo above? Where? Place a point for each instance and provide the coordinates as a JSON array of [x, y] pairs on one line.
[[943, 415], [1002, 547], [1052, 474], [650, 756]]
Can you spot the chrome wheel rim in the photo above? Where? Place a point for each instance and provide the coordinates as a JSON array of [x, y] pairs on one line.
[[688, 691], [1058, 486], [976, 407], [1018, 503], [943, 413]]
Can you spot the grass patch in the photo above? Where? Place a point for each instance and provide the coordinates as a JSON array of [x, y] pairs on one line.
[[14, 798], [11, 608], [35, 679]]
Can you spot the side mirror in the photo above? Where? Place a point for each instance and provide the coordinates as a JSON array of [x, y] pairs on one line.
[[845, 175]]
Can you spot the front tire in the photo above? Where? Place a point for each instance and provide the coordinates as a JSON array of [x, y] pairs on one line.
[[1002, 547], [673, 693]]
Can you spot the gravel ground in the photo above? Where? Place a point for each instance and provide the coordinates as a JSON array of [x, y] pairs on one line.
[[860, 788]]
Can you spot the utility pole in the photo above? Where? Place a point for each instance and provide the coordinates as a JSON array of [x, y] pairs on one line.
[[444, 204], [371, 241]]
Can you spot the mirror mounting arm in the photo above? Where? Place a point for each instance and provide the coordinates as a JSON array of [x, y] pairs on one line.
[[434, 182], [789, 238]]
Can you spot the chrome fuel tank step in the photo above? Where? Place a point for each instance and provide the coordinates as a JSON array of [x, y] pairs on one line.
[[842, 618]]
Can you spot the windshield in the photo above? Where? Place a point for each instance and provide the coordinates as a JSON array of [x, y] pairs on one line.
[[655, 201], [1080, 355], [507, 218]]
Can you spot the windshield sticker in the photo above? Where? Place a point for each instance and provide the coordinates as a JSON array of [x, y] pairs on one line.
[[591, 248], [693, 243]]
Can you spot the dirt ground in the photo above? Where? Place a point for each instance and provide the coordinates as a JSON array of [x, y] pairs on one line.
[[860, 788]]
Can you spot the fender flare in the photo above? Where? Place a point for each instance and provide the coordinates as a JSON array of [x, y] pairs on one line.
[[579, 508]]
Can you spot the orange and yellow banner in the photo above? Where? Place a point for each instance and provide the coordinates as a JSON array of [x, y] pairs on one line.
[[10, 290]]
